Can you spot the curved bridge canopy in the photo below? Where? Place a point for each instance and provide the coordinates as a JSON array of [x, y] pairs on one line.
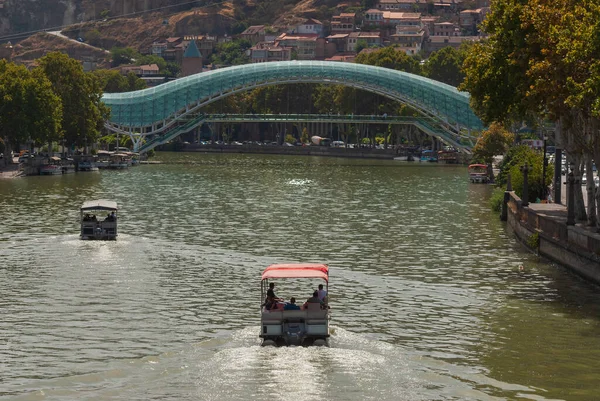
[[154, 109]]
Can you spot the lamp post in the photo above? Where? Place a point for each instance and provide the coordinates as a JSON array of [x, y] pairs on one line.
[[525, 170], [544, 164], [571, 181]]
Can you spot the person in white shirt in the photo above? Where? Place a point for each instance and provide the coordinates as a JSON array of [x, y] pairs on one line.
[[322, 293]]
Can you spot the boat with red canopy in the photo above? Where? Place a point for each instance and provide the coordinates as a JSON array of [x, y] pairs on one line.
[[305, 325], [478, 173]]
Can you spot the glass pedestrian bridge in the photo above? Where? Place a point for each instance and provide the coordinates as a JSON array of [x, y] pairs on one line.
[[168, 108]]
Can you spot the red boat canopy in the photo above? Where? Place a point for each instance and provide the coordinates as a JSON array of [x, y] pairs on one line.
[[478, 165], [297, 270]]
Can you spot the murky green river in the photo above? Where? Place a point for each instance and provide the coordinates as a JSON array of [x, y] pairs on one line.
[[432, 299]]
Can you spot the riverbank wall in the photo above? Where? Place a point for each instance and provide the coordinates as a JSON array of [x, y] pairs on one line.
[[543, 229], [364, 153]]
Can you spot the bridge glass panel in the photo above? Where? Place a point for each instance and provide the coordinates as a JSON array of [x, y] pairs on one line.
[[166, 101]]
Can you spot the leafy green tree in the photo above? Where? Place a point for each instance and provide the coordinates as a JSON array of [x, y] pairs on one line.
[[125, 55], [29, 110], [152, 59], [80, 93], [112, 81], [516, 158], [93, 37], [445, 65], [390, 57], [232, 53], [172, 69], [360, 44], [493, 141], [495, 69]]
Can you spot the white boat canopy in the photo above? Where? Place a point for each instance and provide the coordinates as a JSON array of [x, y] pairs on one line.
[[99, 205]]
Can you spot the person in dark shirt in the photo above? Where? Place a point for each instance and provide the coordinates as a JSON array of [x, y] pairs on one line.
[[314, 299], [270, 303], [271, 292]]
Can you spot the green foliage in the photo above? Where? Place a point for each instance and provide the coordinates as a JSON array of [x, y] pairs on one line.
[[172, 70], [93, 37], [533, 242], [83, 113], [123, 55], [290, 139], [152, 59], [445, 65], [360, 44], [515, 158], [304, 137], [390, 57], [30, 109], [111, 141], [105, 13], [114, 82], [493, 141], [496, 199], [232, 53]]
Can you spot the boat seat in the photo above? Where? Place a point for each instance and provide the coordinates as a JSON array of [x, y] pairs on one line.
[[320, 321], [294, 315], [312, 306], [316, 314], [276, 315]]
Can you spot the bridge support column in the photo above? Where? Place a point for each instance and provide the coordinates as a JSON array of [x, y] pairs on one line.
[[137, 141]]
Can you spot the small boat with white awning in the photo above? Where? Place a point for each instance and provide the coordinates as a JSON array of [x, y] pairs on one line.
[[99, 220]]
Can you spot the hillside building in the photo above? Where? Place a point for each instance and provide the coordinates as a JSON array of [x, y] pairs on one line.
[[343, 23], [265, 52], [254, 34], [192, 60]]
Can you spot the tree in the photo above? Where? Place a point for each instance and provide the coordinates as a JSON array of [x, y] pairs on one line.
[[172, 70], [114, 82], [93, 37], [390, 57], [516, 158], [232, 53], [495, 69], [29, 110], [124, 55], [80, 93], [360, 44], [152, 59], [445, 65], [493, 141]]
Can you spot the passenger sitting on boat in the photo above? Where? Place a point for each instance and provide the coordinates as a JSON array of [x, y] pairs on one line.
[[291, 305], [322, 293], [270, 303], [314, 300], [271, 292], [94, 218], [87, 217]]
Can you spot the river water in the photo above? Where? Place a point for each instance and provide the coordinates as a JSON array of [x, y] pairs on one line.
[[432, 299]]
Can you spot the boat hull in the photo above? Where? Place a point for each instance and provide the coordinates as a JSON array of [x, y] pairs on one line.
[[50, 169]]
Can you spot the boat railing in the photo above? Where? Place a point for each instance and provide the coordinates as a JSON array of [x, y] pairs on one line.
[[103, 227]]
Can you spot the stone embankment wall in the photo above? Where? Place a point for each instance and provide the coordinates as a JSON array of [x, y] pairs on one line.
[[296, 150], [546, 232]]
